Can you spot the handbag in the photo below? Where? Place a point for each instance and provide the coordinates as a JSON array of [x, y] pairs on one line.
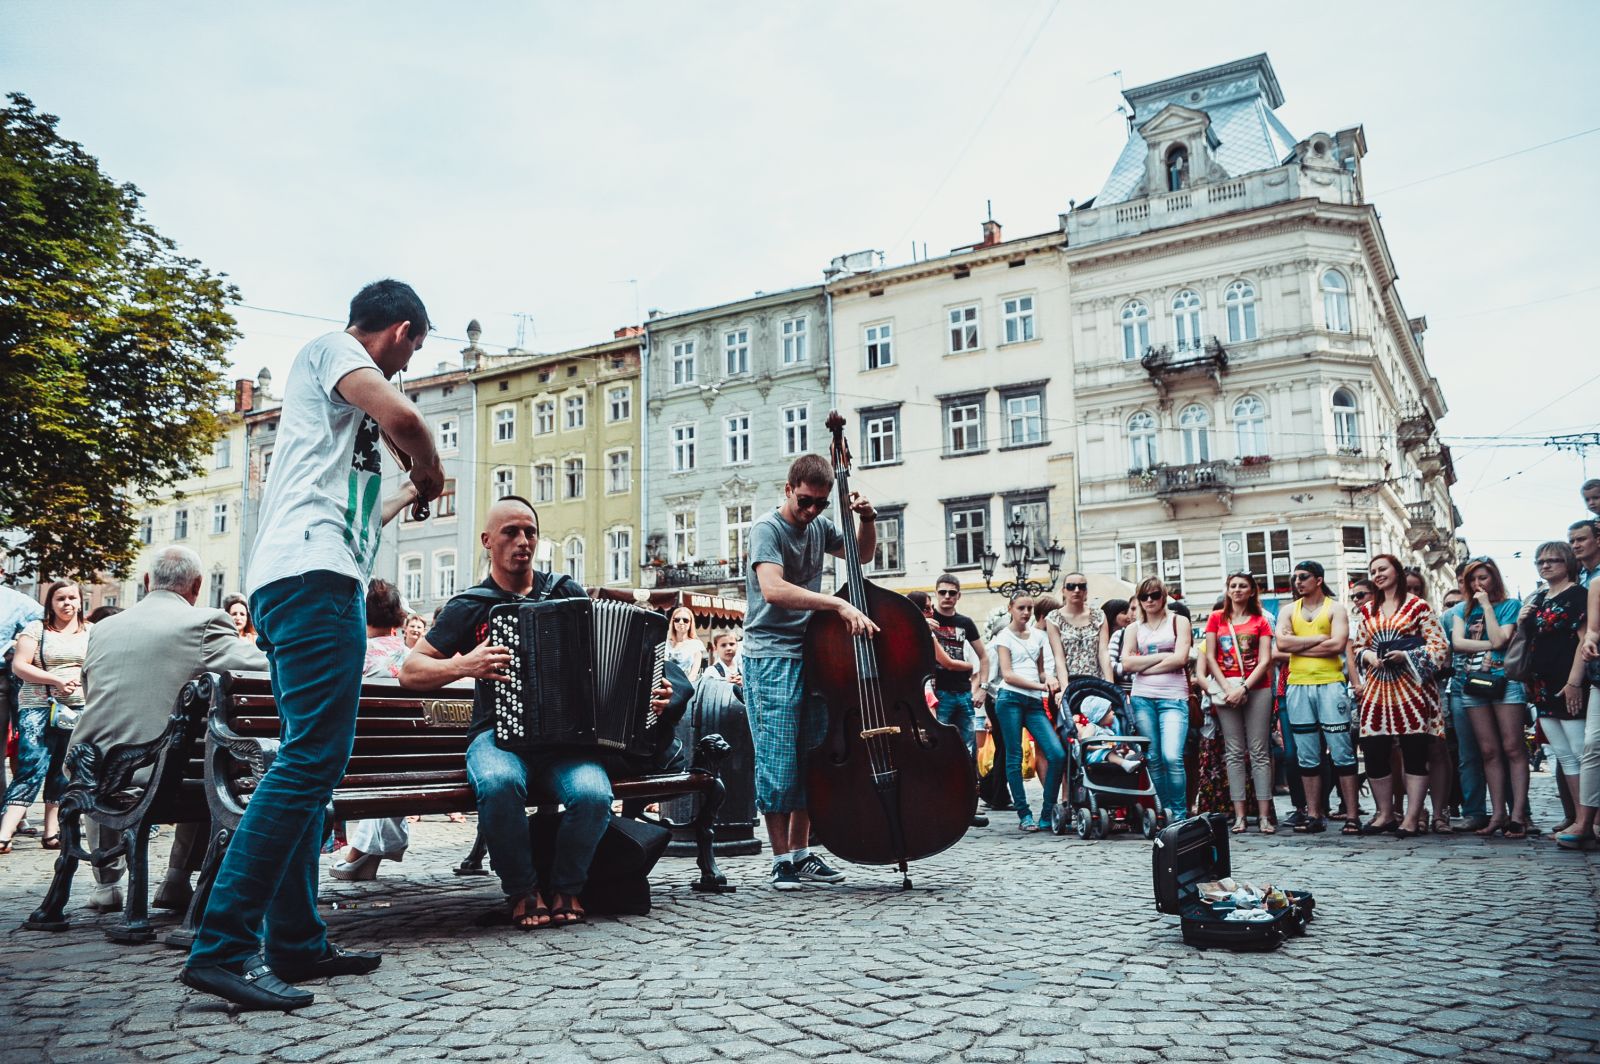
[[1484, 683], [1517, 662], [61, 716]]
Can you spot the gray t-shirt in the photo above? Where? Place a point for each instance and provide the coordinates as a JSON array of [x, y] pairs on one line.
[[770, 631]]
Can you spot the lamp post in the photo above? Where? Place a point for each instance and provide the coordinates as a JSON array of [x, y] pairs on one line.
[[1017, 558]]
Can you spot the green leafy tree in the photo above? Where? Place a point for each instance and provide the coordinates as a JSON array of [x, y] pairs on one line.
[[112, 353]]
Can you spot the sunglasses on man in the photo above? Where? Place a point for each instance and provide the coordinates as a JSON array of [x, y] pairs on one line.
[[811, 502], [1074, 587]]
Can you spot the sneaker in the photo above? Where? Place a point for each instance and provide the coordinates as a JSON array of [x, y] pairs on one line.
[[813, 869], [784, 877], [979, 820], [1027, 823], [1132, 764], [1292, 820]]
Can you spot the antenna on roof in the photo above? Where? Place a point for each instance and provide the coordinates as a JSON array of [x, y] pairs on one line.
[[989, 206]]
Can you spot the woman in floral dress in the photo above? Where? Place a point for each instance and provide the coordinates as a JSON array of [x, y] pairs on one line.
[[1399, 648]]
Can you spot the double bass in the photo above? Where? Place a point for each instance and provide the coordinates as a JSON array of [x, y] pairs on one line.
[[889, 783]]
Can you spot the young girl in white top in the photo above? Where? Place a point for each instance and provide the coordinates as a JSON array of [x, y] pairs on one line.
[[682, 646], [1021, 649]]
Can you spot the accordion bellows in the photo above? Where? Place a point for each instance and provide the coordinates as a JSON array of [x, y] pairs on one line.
[[581, 675]]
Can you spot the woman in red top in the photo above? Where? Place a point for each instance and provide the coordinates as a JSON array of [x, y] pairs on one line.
[[1239, 654]]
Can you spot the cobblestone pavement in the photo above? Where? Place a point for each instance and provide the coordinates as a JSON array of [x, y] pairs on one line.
[[1012, 947]]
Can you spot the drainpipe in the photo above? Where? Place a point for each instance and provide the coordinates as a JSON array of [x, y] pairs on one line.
[[644, 453]]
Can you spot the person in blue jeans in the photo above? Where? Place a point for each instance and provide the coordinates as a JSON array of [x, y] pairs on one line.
[[320, 522], [1468, 759], [1156, 654], [1024, 686], [505, 782]]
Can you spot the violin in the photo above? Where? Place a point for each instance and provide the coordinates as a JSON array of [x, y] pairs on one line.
[[889, 783]]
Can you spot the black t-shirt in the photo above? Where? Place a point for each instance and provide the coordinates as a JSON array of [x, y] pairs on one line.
[[950, 633], [464, 623]]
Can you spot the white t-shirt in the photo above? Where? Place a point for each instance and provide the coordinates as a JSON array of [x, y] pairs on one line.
[[1025, 650], [322, 506]]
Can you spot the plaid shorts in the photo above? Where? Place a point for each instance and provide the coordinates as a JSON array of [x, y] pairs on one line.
[[785, 723]]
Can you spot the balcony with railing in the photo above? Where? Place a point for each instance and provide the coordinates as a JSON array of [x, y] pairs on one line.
[[1415, 427], [1262, 189], [1422, 524], [691, 574], [1185, 360]]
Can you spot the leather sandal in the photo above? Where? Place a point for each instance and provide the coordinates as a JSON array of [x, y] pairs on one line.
[[51, 842], [565, 912], [1515, 829], [6, 844], [535, 913], [1441, 826], [1239, 826]]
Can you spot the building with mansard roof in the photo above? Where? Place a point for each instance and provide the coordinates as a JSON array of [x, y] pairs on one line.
[[1250, 389]]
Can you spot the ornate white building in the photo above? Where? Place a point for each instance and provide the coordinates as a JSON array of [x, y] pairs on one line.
[[954, 375], [1250, 390]]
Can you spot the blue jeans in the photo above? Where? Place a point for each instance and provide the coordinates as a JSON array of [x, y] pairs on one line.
[[1165, 722], [313, 628], [1469, 761], [500, 783], [1014, 713], [955, 708], [41, 750]]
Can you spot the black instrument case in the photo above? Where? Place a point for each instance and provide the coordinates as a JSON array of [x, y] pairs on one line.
[[1195, 851]]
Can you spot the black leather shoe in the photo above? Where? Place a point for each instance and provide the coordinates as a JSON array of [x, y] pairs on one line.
[[256, 988], [336, 960]]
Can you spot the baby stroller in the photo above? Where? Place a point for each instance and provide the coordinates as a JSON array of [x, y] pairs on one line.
[[1101, 797]]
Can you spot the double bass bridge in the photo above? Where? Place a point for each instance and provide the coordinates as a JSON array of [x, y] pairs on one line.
[[870, 733]]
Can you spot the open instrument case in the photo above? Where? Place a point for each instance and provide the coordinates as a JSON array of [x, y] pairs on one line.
[[1196, 851]]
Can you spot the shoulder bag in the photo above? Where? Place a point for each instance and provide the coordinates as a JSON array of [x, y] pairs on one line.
[[62, 717], [1517, 663]]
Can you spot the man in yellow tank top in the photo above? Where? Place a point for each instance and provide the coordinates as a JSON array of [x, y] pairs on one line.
[[1313, 631]]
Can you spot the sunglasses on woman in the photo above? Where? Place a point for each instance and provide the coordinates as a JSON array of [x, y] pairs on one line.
[[1152, 596], [1074, 587]]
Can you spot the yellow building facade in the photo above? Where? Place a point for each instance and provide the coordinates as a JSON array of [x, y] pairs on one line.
[[563, 431]]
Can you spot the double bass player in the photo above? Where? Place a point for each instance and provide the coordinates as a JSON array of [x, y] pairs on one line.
[[788, 546]]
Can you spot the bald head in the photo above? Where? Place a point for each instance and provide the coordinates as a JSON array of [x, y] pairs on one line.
[[510, 534]]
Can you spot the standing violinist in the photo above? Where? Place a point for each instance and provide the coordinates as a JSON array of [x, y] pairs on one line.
[[787, 554]]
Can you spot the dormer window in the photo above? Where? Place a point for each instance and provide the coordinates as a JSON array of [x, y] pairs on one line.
[[1177, 167]]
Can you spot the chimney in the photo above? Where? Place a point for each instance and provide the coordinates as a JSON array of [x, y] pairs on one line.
[[991, 234], [244, 395], [627, 331]]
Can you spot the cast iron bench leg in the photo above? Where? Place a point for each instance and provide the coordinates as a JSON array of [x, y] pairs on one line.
[[712, 748], [472, 864], [51, 915], [135, 926], [182, 936]]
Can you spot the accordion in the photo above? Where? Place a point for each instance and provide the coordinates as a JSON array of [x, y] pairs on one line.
[[581, 675]]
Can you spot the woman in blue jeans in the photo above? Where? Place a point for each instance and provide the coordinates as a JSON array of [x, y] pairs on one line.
[[1156, 653], [1024, 686]]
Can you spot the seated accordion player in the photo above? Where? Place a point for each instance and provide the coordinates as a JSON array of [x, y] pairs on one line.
[[581, 676]]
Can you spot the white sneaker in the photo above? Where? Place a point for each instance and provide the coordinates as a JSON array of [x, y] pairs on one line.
[[106, 898]]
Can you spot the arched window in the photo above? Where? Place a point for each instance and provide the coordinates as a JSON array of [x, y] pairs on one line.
[[1241, 303], [1135, 330], [572, 554], [1194, 425], [1250, 426], [1186, 320], [1142, 453], [1336, 301], [1177, 167], [1346, 420]]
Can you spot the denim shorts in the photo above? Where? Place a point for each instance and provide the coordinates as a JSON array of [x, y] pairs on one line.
[[1515, 693]]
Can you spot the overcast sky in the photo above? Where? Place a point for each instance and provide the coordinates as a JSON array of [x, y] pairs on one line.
[[534, 159]]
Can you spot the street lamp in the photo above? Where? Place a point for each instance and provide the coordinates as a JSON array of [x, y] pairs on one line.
[[1017, 558]]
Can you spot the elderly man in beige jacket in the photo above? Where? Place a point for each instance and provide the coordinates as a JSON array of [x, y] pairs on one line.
[[137, 663]]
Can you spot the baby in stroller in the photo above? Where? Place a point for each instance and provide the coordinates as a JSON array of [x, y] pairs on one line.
[[1098, 733], [1107, 780]]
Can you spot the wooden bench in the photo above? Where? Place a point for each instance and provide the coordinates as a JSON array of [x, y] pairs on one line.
[[409, 758]]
